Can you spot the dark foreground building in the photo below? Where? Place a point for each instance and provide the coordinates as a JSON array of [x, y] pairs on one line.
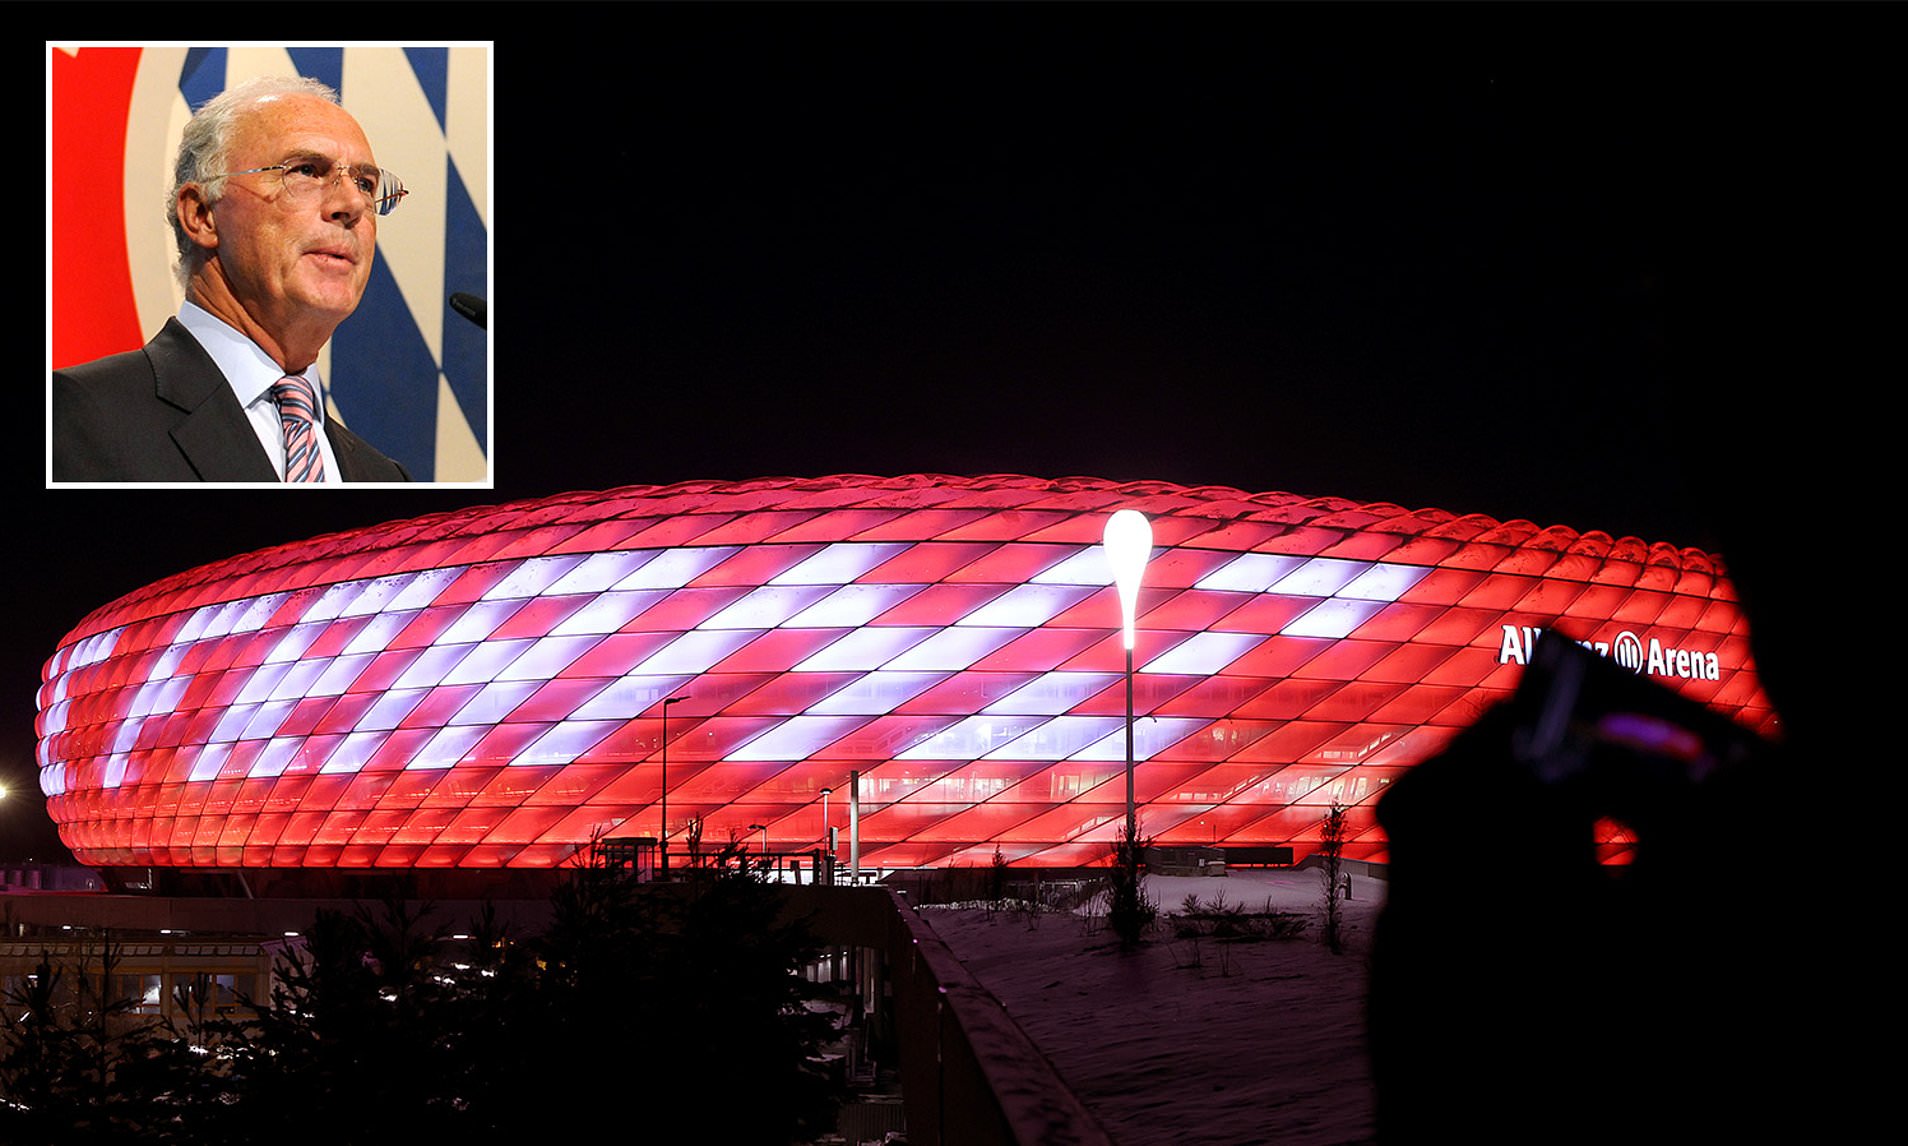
[[486, 688]]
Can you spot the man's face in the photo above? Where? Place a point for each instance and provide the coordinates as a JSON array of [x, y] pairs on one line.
[[293, 264]]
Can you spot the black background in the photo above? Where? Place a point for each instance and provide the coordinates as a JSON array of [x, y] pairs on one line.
[[1611, 267]]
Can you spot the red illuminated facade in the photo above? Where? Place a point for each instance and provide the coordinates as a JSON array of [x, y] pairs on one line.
[[484, 688]]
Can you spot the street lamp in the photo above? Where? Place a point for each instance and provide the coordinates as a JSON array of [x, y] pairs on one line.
[[662, 840], [763, 828], [826, 843], [1129, 544]]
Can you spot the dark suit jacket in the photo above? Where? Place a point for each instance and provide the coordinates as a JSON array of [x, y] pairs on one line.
[[165, 413]]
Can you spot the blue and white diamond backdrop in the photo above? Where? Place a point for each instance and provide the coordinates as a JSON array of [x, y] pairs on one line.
[[405, 371]]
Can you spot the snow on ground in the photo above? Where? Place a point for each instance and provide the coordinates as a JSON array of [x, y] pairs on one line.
[[1193, 1043]]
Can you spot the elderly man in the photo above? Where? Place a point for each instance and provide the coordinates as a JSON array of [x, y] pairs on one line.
[[275, 209]]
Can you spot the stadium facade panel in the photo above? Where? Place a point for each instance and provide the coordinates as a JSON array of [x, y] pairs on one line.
[[485, 687]]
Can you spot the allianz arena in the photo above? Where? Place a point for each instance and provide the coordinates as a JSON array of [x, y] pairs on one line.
[[484, 688]]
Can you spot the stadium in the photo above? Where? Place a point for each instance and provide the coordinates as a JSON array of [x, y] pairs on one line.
[[930, 664]]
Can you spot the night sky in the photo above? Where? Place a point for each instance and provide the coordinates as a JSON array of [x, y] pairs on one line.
[[1579, 265]]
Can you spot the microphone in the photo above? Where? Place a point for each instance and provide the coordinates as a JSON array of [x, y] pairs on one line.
[[471, 307]]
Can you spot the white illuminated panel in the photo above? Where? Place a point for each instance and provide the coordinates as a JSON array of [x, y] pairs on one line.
[[864, 649], [433, 665], [1027, 606], [339, 674], [608, 612], [546, 658], [675, 568], [566, 741], [951, 649], [532, 577], [1151, 736], [766, 607], [485, 661], [1319, 577], [1384, 582], [425, 585], [630, 696], [377, 633], [1087, 567], [877, 693], [1334, 618], [376, 595], [1058, 738], [838, 564], [495, 702], [1250, 572], [478, 622], [599, 571], [447, 747], [972, 738], [694, 652], [295, 641], [1203, 654], [797, 738], [851, 605], [1053, 693]]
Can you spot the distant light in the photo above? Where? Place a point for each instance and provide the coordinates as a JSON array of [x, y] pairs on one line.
[[1129, 544]]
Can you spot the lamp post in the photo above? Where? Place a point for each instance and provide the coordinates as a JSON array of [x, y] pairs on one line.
[[763, 828], [825, 844], [1129, 544], [662, 839]]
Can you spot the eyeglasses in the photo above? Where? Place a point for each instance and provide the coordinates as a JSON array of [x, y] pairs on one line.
[[305, 179]]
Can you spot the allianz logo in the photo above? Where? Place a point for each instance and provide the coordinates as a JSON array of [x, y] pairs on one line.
[[1627, 650]]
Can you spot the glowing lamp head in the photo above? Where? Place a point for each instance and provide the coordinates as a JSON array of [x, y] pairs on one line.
[[1129, 545]]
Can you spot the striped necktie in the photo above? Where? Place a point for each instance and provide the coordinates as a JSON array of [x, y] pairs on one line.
[[298, 417]]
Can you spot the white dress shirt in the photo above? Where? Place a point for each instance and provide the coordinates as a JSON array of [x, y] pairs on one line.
[[251, 373]]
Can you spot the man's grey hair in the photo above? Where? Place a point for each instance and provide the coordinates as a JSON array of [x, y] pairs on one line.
[[204, 148]]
